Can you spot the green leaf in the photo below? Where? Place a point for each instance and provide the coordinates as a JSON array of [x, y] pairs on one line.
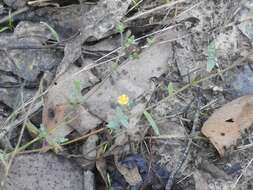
[[43, 133], [251, 12], [113, 124], [249, 30], [10, 21], [61, 140], [150, 41], [54, 33], [3, 29], [120, 28], [122, 118], [212, 57], [3, 157], [32, 128], [152, 122], [76, 94], [170, 89], [130, 41]]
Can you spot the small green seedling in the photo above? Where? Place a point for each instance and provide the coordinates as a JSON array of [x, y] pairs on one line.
[[150, 41], [120, 28], [10, 21], [212, 56], [170, 89], [3, 158], [2, 29], [76, 93], [152, 122], [120, 119], [130, 40], [10, 24]]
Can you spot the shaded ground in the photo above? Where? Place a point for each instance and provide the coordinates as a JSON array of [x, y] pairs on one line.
[[113, 94]]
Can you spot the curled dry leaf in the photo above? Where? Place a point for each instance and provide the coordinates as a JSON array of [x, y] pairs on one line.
[[131, 174], [225, 126], [62, 112]]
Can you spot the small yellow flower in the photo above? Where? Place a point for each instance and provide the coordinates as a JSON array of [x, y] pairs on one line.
[[123, 99]]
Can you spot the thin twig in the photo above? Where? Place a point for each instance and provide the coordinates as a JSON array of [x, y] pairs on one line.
[[240, 61], [165, 6], [186, 151], [21, 135]]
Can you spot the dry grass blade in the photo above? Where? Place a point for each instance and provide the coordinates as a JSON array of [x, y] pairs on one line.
[[168, 5]]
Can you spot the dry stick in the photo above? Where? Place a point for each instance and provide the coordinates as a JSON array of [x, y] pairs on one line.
[[48, 147], [186, 151], [168, 5], [20, 136]]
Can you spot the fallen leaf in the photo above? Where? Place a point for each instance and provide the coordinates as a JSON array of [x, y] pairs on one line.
[[62, 111], [101, 166], [132, 78], [97, 23], [131, 174], [225, 126]]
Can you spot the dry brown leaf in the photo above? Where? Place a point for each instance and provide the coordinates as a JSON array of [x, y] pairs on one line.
[[58, 113], [131, 175], [225, 126], [101, 166]]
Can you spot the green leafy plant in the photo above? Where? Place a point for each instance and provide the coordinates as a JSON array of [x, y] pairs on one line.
[[76, 94], [152, 122], [212, 56], [3, 158], [120, 119], [150, 41], [44, 134], [2, 29], [130, 40], [170, 89], [120, 28], [10, 21], [10, 25]]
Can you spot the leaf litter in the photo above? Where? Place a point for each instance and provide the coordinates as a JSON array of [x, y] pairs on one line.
[[227, 124], [108, 137]]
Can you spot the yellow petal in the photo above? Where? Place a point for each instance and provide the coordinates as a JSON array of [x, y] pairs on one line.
[[123, 99]]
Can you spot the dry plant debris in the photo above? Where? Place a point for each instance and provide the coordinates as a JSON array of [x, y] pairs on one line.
[[225, 126], [190, 59]]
